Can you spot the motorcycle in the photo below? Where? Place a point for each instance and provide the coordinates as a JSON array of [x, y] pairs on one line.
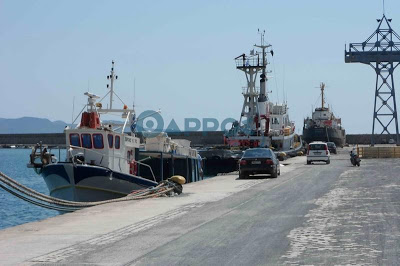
[[354, 159]]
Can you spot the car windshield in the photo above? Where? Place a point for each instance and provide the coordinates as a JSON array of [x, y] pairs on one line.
[[255, 153], [331, 144], [317, 146]]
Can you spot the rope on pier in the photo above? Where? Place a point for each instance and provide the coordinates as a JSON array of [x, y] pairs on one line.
[[37, 203], [162, 189]]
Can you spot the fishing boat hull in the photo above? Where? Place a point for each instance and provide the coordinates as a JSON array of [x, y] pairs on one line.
[[86, 183], [326, 134]]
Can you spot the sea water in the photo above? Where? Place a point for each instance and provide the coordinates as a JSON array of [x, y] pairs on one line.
[[13, 210]]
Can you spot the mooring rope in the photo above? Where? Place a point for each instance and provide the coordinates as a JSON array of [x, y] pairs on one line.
[[63, 209], [160, 190]]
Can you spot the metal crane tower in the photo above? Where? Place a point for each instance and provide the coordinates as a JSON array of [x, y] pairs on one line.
[[382, 52]]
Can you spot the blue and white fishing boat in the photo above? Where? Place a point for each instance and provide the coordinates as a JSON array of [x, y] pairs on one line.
[[103, 161]]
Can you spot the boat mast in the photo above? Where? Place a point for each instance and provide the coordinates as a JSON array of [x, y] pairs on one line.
[[263, 93], [263, 105], [322, 86], [111, 77]]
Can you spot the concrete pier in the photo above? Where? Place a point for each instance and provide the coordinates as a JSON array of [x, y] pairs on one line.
[[311, 214]]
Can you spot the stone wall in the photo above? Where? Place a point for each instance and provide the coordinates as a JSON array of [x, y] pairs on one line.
[[32, 139], [366, 139]]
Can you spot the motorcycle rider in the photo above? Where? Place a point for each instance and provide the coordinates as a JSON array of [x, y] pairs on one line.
[[354, 159]]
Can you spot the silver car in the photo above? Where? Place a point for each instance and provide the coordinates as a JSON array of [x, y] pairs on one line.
[[318, 152]]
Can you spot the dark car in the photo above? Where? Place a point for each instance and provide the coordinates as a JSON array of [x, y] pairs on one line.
[[332, 147], [259, 161]]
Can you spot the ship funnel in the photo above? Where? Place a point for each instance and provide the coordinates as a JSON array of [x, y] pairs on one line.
[[262, 97]]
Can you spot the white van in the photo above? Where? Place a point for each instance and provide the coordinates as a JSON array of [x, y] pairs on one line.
[[318, 152]]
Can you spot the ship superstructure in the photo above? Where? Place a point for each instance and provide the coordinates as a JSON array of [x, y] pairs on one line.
[[262, 123]]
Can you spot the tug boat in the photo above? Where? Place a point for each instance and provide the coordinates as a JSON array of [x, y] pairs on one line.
[[262, 123], [104, 161]]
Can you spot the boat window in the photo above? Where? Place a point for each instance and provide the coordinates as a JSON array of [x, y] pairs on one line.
[[74, 139], [98, 141], [275, 120], [117, 142], [110, 141], [86, 141]]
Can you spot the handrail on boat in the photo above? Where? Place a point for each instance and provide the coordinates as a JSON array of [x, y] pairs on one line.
[[113, 156]]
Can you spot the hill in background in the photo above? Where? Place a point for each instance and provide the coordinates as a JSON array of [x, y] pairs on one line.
[[25, 125]]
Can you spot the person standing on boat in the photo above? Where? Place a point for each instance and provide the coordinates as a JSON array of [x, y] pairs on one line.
[[200, 166]]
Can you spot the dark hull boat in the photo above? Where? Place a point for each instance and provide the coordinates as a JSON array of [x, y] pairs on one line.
[[217, 161], [338, 136], [323, 125]]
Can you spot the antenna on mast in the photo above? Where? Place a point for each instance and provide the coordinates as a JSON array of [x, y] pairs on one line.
[[284, 84], [263, 92], [262, 34], [111, 77], [134, 92], [73, 110]]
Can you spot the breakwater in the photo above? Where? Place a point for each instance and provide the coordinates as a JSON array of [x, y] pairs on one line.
[[197, 138]]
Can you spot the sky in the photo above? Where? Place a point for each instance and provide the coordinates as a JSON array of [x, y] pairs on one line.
[[178, 55]]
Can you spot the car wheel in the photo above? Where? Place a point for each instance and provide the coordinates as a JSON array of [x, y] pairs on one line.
[[308, 162], [328, 162], [242, 176], [275, 175]]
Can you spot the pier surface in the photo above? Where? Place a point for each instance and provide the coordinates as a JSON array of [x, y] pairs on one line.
[[312, 214]]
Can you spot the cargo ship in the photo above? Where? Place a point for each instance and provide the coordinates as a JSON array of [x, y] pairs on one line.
[[324, 125]]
